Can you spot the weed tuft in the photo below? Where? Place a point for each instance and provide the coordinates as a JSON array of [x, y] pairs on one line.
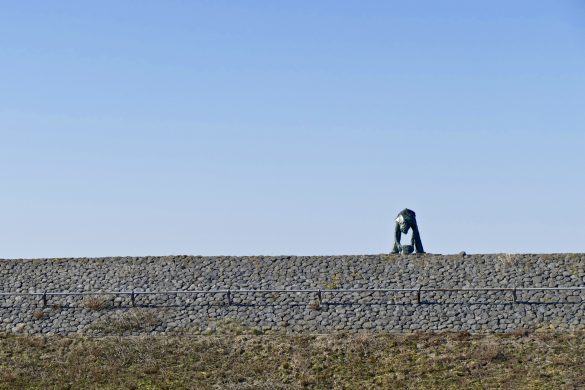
[[125, 321], [334, 283], [96, 303]]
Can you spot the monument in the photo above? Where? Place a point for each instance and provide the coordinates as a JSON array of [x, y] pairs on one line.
[[406, 220]]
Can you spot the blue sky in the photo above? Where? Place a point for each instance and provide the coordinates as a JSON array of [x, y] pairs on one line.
[[268, 128]]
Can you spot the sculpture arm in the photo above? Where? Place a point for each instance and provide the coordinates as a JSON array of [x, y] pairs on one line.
[[397, 235], [416, 240]]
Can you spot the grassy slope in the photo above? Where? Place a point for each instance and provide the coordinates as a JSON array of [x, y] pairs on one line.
[[366, 361]]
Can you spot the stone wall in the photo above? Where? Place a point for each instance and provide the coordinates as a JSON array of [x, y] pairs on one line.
[[477, 311]]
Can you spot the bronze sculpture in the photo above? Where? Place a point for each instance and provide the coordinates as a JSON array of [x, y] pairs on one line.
[[406, 220]]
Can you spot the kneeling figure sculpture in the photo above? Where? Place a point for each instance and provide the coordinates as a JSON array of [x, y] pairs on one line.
[[405, 220]]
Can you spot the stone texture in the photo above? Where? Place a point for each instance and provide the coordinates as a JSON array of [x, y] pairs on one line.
[[483, 311]]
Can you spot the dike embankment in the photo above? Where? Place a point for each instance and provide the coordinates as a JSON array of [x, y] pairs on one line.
[[194, 294]]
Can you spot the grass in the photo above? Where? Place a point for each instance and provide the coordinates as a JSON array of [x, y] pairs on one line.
[[338, 361], [96, 303], [334, 283], [38, 314], [128, 321]]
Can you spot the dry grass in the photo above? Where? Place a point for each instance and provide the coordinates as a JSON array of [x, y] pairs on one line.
[[121, 322], [334, 283], [507, 259], [342, 361], [96, 303]]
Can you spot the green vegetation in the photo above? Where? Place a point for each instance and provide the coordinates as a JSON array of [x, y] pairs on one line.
[[334, 283], [340, 361]]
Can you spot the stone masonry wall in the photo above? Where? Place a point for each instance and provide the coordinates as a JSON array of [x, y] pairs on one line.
[[479, 311]]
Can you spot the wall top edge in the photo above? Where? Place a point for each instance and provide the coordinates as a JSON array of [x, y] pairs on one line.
[[288, 257]]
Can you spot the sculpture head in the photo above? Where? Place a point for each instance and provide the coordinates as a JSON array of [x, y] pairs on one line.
[[406, 219]]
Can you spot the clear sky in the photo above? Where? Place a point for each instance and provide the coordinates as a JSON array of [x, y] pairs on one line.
[[299, 127]]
